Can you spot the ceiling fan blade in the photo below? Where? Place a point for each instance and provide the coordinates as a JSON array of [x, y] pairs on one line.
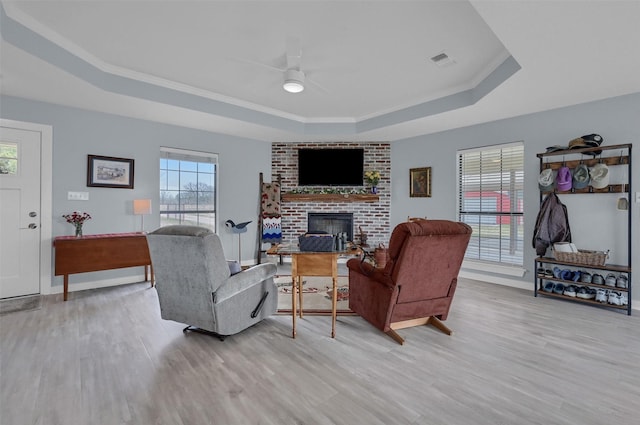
[[318, 86], [260, 64]]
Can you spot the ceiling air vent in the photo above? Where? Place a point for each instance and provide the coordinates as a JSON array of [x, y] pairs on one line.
[[442, 59]]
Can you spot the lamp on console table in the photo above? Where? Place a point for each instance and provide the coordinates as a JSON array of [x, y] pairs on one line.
[[142, 207]]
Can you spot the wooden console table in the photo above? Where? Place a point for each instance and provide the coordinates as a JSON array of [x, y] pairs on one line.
[[92, 253]]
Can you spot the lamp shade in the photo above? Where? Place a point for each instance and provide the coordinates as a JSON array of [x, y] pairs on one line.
[[142, 206]]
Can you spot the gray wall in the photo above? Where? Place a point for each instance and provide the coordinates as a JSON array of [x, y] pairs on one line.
[[77, 133], [595, 221]]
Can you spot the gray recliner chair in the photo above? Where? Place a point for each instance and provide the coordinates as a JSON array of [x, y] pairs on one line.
[[195, 285]]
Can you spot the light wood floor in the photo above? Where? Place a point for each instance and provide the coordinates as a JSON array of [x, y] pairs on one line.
[[105, 357]]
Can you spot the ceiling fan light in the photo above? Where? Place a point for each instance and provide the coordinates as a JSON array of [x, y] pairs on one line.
[[293, 81], [293, 86]]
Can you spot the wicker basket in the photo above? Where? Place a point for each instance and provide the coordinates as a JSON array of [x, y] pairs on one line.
[[583, 256]]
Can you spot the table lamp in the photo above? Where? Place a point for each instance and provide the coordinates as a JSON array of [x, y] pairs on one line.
[[142, 207]]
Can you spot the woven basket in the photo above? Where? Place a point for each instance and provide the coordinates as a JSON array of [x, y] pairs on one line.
[[583, 256]]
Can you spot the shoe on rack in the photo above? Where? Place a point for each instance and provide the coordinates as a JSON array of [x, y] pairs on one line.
[[602, 295], [615, 298], [622, 281], [547, 287], [597, 279], [570, 291], [610, 280], [592, 293], [624, 298], [584, 293], [585, 277], [548, 272], [566, 274], [558, 288], [540, 271], [557, 272]]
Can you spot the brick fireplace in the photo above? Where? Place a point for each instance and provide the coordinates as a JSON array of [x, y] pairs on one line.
[[372, 216]]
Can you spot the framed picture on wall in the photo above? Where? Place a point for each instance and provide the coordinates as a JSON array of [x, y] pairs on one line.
[[108, 171], [420, 182]]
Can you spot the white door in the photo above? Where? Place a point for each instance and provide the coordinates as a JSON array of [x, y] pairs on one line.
[[19, 212]]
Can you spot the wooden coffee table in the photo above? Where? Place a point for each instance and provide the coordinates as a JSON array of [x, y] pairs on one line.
[[312, 263]]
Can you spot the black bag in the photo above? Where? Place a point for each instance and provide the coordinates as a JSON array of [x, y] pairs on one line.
[[319, 242]]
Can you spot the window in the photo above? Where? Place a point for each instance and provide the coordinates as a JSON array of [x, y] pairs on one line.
[[490, 200], [188, 182], [8, 158]]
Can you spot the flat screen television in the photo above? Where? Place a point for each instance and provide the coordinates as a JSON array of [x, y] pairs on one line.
[[330, 167]]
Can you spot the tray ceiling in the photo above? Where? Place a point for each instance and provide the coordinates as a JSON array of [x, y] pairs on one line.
[[217, 65]]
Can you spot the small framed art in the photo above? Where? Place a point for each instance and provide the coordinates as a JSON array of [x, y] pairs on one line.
[[108, 171], [420, 182]]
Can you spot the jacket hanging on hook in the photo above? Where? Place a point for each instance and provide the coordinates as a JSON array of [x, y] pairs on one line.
[[552, 224]]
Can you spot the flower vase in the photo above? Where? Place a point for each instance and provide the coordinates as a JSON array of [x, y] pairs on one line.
[[78, 230], [374, 189]]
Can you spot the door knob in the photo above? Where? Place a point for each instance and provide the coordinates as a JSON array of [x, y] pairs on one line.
[[33, 226], [33, 214]]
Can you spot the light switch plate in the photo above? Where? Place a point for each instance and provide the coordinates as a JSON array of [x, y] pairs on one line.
[[78, 196]]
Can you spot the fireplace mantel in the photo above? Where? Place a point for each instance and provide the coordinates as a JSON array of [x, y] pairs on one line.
[[328, 197]]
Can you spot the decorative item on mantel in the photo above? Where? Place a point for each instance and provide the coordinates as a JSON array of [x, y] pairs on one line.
[[373, 178], [327, 191], [77, 219]]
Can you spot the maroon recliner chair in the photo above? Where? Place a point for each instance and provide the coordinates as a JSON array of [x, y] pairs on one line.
[[417, 284]]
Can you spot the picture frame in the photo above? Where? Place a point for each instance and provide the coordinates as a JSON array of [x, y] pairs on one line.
[[420, 182], [109, 171]]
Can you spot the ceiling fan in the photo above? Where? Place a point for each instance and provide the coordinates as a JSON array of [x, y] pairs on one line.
[[294, 78]]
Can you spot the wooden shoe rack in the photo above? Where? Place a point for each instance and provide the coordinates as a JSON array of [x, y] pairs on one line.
[[549, 160]]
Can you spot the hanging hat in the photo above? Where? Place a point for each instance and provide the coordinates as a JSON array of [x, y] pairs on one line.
[[546, 180], [599, 176], [563, 179], [581, 177]]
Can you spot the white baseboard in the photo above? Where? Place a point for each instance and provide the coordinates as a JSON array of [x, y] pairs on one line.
[[482, 266], [505, 281], [95, 284]]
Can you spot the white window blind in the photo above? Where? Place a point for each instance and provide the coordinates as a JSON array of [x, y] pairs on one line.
[[490, 200], [188, 182]]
